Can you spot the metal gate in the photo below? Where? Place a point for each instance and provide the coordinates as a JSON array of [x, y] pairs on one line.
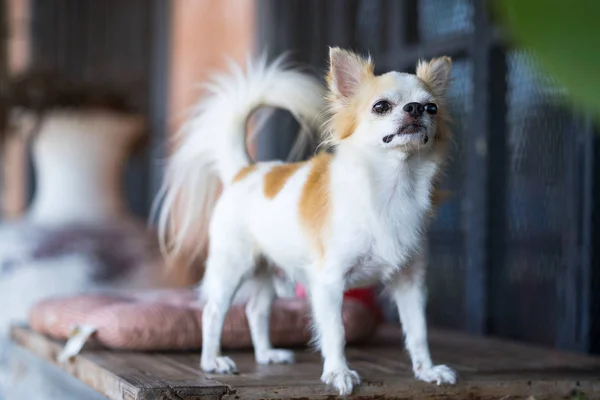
[[511, 251]]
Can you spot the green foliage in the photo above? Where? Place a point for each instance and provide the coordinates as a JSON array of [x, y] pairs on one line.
[[565, 37]]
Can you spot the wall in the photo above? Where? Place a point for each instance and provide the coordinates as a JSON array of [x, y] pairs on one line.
[[204, 33]]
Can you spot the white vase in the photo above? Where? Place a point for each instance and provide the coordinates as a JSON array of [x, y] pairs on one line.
[[79, 157]]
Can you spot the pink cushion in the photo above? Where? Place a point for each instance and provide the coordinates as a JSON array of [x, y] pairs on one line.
[[173, 321]]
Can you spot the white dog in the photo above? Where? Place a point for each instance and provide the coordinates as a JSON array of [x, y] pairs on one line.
[[337, 221]]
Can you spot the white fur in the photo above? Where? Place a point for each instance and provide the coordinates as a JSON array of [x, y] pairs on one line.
[[213, 143], [380, 197]]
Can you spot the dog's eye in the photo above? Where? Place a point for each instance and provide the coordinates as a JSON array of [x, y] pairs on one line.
[[431, 108], [382, 107]]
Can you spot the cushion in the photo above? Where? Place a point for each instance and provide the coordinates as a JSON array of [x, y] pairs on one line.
[[172, 320]]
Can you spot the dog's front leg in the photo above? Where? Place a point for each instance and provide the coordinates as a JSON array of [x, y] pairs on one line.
[[326, 295], [408, 291]]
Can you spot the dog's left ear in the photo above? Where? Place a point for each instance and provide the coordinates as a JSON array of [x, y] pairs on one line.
[[436, 74], [347, 70]]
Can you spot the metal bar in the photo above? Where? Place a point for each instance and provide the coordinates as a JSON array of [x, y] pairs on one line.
[[394, 24], [411, 22], [594, 237], [588, 318], [569, 285], [402, 31], [37, 27], [134, 21], [159, 72], [282, 27], [342, 18], [496, 189], [478, 145]]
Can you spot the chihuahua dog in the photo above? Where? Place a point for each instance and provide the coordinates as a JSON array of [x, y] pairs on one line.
[[343, 219]]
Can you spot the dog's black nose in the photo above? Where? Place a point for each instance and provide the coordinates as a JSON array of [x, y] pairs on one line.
[[415, 110]]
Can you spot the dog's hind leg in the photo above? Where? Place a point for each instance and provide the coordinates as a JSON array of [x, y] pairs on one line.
[[258, 311], [229, 263]]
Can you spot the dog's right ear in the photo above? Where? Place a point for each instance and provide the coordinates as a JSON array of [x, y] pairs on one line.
[[346, 72]]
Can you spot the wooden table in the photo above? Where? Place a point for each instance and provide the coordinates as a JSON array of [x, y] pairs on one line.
[[488, 368]]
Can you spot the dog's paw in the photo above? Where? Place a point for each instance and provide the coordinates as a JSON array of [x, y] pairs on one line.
[[219, 365], [343, 380], [275, 356], [439, 374]]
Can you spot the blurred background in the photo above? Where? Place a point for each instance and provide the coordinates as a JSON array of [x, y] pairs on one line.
[[512, 251]]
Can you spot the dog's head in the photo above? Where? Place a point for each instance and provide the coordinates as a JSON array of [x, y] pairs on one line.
[[394, 111]]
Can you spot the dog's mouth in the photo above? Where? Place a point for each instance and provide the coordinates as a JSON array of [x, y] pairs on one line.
[[408, 129]]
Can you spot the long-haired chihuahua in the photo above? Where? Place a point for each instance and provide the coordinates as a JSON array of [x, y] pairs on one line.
[[343, 219]]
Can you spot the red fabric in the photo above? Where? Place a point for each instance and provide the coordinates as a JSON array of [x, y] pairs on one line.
[[364, 295]]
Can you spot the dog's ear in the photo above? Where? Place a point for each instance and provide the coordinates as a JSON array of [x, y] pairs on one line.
[[346, 72], [436, 74]]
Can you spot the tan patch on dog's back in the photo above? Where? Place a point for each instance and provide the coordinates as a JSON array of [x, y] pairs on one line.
[[276, 178], [315, 204], [244, 172]]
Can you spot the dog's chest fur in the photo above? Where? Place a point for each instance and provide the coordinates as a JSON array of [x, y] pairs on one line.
[[392, 215]]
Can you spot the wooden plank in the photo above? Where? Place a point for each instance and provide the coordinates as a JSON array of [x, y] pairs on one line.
[[488, 368], [29, 373], [126, 375]]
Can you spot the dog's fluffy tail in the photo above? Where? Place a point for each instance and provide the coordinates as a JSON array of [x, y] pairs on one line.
[[212, 144]]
